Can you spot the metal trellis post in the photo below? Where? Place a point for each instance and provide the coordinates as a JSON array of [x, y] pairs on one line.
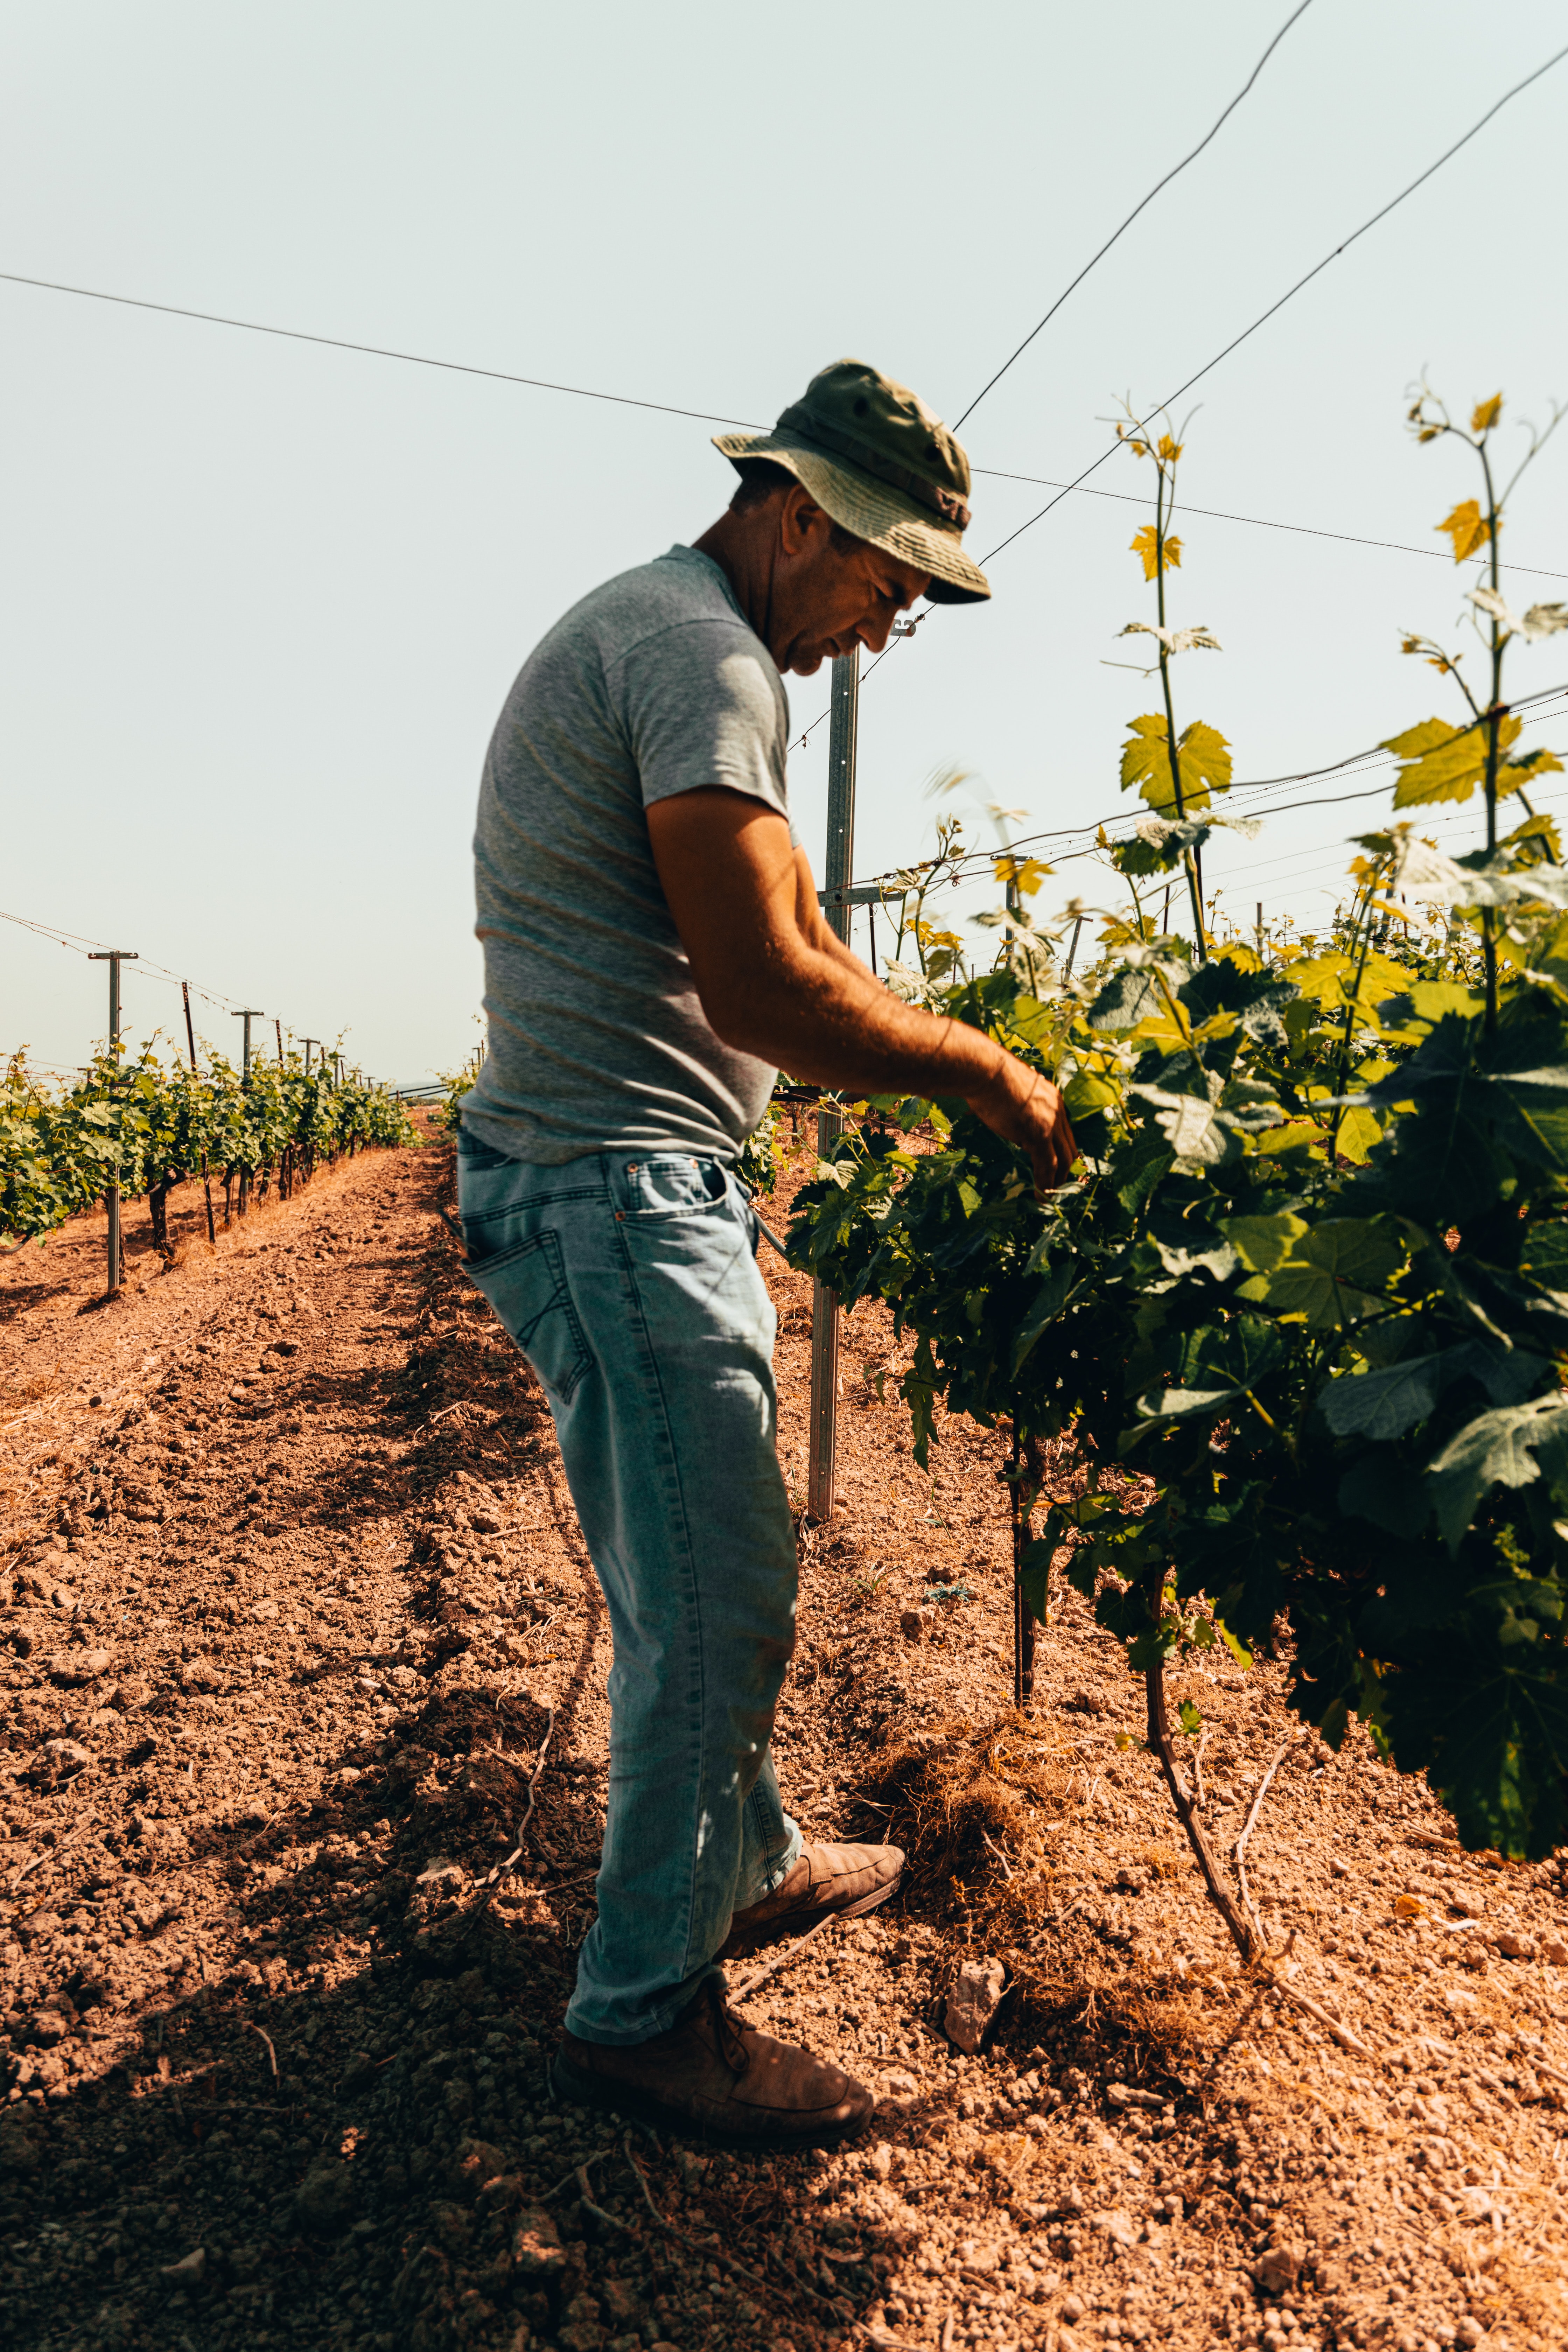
[[838, 865], [113, 958], [207, 1181], [248, 1014]]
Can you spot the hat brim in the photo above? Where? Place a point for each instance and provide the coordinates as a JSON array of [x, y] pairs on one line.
[[871, 509]]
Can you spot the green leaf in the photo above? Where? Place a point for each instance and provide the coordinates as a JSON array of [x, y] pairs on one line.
[[1495, 1449], [1214, 1365], [1474, 1092], [1043, 1309], [1358, 1131], [1189, 1718], [1132, 994], [1263, 1243], [1190, 1126], [1388, 1492], [1384, 1404], [1238, 1649], [1035, 1576], [1328, 1279], [1202, 762], [1444, 762]]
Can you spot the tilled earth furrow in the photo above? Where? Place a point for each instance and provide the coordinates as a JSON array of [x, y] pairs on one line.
[[304, 1702]]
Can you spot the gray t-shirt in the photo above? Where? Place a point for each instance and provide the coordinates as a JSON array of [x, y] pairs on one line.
[[655, 684]]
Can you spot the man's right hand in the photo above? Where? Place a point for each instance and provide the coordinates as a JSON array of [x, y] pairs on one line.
[[1025, 1108]]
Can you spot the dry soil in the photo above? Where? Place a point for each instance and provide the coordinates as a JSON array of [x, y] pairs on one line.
[[301, 1791]]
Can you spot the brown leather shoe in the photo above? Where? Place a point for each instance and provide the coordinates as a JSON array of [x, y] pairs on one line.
[[845, 1880], [714, 2077]]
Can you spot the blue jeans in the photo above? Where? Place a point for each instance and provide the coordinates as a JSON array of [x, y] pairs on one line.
[[631, 1285]]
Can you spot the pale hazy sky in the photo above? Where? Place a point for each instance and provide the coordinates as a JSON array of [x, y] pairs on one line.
[[262, 601]]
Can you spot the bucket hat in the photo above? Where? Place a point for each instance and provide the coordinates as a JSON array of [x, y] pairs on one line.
[[877, 461]]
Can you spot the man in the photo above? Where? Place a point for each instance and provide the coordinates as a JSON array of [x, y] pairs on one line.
[[652, 953]]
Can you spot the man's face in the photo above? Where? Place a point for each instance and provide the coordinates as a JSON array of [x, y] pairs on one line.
[[827, 600]]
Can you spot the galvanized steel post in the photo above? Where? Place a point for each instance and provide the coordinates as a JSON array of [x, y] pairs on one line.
[[113, 958], [838, 865]]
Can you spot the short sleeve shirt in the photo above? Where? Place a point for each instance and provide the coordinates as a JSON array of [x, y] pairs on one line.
[[654, 685]]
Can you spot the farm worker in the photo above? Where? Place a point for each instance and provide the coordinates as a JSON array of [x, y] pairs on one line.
[[653, 951]]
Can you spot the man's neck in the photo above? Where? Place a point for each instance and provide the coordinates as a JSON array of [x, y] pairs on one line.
[[745, 556]]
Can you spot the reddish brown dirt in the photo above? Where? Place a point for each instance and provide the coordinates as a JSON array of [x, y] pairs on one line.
[[290, 1566]]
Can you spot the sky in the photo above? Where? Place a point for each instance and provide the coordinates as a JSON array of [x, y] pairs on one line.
[[263, 601]]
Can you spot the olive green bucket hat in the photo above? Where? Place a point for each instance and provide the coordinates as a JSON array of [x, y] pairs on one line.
[[876, 460]]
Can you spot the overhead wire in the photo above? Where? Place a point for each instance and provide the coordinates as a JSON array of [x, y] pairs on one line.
[[1372, 755], [369, 351], [1265, 522], [704, 416], [1236, 342], [666, 408], [1142, 206], [1289, 296], [161, 975]]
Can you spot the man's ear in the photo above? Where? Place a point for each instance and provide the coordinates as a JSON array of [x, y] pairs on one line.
[[800, 521]]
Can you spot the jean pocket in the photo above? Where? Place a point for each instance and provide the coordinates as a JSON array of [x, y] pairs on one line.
[[476, 1155], [526, 1284], [672, 1184]]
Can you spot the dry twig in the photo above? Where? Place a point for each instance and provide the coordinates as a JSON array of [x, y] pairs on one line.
[[1331, 2025], [251, 2027], [1262, 1791], [782, 1959]]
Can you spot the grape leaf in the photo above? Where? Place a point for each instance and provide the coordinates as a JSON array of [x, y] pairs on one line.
[[1263, 1243], [1146, 545], [1045, 1307], [1327, 1278], [1468, 528], [1443, 762], [1202, 761], [1486, 412], [1358, 1131], [1495, 1449], [1474, 1092], [1215, 1363], [1385, 1404]]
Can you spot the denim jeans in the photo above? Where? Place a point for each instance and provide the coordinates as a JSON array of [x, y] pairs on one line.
[[632, 1286]]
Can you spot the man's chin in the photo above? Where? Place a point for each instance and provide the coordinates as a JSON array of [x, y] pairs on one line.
[[804, 661]]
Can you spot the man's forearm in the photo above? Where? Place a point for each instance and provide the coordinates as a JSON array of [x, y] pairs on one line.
[[822, 1015]]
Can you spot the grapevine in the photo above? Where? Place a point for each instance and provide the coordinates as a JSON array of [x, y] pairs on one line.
[[129, 1121], [1303, 1314]]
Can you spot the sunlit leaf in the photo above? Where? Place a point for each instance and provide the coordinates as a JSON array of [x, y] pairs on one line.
[[1485, 413], [1203, 761], [1146, 545], [1333, 1278], [1263, 1243], [1358, 1131], [1442, 762], [1468, 528]]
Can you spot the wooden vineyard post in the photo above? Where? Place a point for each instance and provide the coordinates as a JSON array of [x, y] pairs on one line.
[[113, 958], [206, 1184], [839, 865]]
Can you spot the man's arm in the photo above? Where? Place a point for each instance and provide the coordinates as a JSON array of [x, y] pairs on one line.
[[775, 980]]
